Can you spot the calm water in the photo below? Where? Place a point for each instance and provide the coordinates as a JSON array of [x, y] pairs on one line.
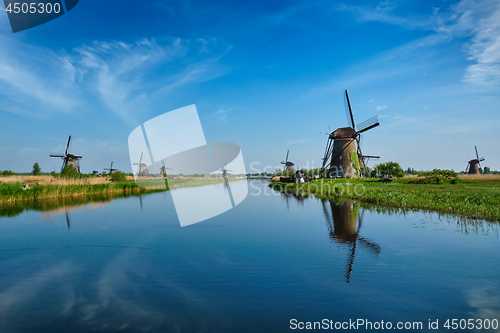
[[126, 265]]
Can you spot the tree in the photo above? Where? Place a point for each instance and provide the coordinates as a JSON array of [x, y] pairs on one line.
[[391, 168], [36, 169], [95, 172], [439, 175], [486, 170]]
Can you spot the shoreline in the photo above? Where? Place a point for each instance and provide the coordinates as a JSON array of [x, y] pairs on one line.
[[471, 200], [13, 192]]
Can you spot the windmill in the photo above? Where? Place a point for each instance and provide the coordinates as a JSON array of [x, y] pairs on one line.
[[111, 170], [163, 170], [69, 159], [474, 165], [224, 171], [287, 164], [143, 168], [345, 141], [347, 218]]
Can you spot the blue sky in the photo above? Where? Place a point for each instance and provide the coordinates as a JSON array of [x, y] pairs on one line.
[[265, 75]]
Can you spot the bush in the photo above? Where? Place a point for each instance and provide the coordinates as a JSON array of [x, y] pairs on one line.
[[68, 171], [439, 175], [118, 176], [456, 181]]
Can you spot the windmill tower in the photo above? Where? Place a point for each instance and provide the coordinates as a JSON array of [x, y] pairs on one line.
[[69, 159], [143, 168], [343, 146], [111, 170], [474, 165], [287, 165]]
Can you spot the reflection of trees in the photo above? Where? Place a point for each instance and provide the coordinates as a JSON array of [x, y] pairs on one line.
[[344, 225], [62, 205], [299, 197]]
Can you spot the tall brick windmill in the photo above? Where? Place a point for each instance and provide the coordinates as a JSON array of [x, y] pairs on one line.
[[343, 151], [474, 165]]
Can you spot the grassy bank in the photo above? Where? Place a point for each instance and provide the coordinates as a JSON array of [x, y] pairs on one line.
[[468, 199], [13, 191]]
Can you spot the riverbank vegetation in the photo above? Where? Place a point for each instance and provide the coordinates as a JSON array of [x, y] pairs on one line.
[[24, 188], [471, 198]]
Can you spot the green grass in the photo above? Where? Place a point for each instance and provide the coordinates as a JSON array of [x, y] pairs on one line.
[[469, 199], [15, 192]]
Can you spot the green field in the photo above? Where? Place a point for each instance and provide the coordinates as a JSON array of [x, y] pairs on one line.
[[470, 199]]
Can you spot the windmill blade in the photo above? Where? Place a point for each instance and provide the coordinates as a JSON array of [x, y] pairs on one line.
[[467, 168], [350, 263], [111, 168], [67, 147], [140, 160], [481, 159], [67, 219], [347, 106], [324, 133], [368, 124], [53, 155], [477, 155], [287, 155], [370, 245]]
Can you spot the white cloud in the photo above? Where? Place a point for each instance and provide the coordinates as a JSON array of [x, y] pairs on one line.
[[474, 19], [371, 100], [381, 107], [122, 75], [485, 45], [33, 81]]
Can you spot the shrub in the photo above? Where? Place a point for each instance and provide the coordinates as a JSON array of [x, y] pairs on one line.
[[68, 171], [439, 175], [118, 176]]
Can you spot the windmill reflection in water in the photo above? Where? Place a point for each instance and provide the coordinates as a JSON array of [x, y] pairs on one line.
[[344, 221]]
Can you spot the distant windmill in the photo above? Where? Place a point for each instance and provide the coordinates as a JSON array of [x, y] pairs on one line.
[[287, 164], [343, 142], [224, 171], [345, 217], [474, 165], [111, 170], [163, 170], [69, 159], [143, 168]]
